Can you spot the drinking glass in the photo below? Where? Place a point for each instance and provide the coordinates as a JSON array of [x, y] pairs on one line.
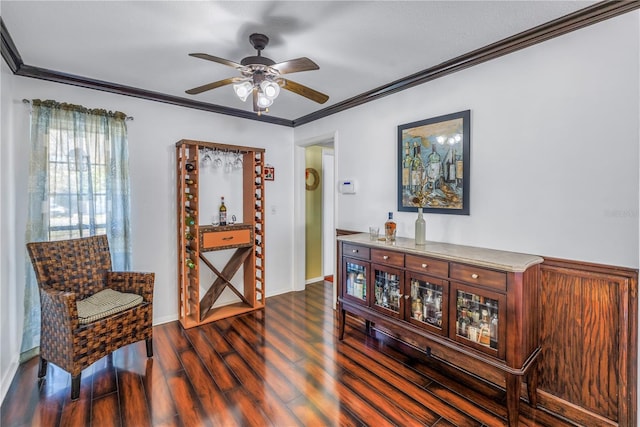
[[373, 233], [237, 162], [206, 158], [217, 158], [228, 164]]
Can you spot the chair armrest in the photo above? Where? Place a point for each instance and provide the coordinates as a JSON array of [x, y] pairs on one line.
[[59, 310], [131, 281]]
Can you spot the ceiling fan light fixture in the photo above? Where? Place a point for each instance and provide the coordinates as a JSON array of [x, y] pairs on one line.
[[243, 89], [270, 89], [263, 100]]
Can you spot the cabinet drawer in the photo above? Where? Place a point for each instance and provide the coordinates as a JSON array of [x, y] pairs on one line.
[[427, 265], [355, 251], [387, 257], [479, 276], [211, 240]]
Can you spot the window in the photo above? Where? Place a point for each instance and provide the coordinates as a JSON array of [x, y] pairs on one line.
[[77, 193]]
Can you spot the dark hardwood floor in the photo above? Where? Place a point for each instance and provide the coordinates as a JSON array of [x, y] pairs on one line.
[[279, 367]]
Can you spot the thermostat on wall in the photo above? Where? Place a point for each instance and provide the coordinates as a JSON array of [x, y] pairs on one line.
[[348, 187]]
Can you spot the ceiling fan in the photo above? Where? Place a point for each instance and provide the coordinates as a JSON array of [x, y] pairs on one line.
[[261, 77]]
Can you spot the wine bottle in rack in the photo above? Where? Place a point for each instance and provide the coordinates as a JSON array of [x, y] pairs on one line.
[[223, 212], [189, 181], [190, 263], [188, 196], [189, 220], [190, 167]]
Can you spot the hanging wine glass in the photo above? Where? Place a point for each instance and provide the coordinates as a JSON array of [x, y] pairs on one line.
[[228, 165], [217, 158], [206, 157], [237, 162]]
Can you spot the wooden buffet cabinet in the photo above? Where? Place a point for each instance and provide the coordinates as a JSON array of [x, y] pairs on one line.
[[246, 240], [471, 308]]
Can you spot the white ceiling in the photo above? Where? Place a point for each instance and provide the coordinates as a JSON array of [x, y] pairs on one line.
[[359, 45]]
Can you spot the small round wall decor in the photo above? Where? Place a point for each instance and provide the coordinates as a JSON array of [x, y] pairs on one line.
[[312, 179]]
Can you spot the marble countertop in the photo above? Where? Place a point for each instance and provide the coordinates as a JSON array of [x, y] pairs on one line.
[[482, 257]]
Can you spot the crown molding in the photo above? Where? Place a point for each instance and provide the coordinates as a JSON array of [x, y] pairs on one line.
[[14, 61], [588, 16], [563, 25]]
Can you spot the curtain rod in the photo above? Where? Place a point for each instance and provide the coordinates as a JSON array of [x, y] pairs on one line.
[[26, 101]]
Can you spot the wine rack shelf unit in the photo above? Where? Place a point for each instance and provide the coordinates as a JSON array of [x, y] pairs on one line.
[[247, 239]]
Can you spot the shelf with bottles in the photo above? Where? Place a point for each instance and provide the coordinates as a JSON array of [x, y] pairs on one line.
[[477, 317], [429, 302], [388, 286], [201, 302], [356, 274]]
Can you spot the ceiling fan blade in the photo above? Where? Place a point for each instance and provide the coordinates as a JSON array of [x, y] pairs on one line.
[[216, 59], [305, 91], [209, 86], [296, 65]]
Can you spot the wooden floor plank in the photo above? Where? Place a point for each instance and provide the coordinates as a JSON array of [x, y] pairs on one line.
[[211, 398], [281, 366], [133, 402], [105, 411], [211, 359]]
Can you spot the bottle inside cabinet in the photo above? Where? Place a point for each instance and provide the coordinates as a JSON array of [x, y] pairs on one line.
[[426, 302], [477, 318], [356, 281], [387, 290]]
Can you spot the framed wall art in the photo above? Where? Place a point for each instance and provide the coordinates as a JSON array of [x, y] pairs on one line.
[[269, 173], [433, 164]]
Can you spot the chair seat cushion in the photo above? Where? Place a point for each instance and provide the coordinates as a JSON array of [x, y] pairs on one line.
[[105, 303]]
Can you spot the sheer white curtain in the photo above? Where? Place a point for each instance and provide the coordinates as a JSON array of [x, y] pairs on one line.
[[78, 186]]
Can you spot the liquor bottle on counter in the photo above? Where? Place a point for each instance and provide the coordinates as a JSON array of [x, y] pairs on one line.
[[390, 229], [223, 213]]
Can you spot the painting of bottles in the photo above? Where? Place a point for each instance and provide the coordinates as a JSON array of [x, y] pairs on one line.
[[433, 169]]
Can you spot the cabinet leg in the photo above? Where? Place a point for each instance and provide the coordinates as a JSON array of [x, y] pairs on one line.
[[513, 399], [532, 386], [367, 327], [341, 320]]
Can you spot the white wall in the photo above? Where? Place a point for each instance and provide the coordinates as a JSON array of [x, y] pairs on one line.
[[152, 136], [554, 149], [10, 303]]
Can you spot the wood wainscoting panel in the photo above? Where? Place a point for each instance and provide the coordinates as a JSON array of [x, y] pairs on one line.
[[588, 331]]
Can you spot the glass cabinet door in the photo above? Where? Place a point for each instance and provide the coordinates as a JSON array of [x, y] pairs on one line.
[[479, 316], [355, 275], [388, 295], [429, 302]]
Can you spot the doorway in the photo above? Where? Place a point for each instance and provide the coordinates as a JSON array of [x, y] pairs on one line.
[[319, 194], [325, 256]]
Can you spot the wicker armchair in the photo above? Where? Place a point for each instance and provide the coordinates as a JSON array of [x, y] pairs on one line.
[[71, 274]]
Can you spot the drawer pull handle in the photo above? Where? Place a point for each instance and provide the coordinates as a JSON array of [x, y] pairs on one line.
[[425, 265], [385, 257], [355, 251], [474, 276], [228, 238]]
